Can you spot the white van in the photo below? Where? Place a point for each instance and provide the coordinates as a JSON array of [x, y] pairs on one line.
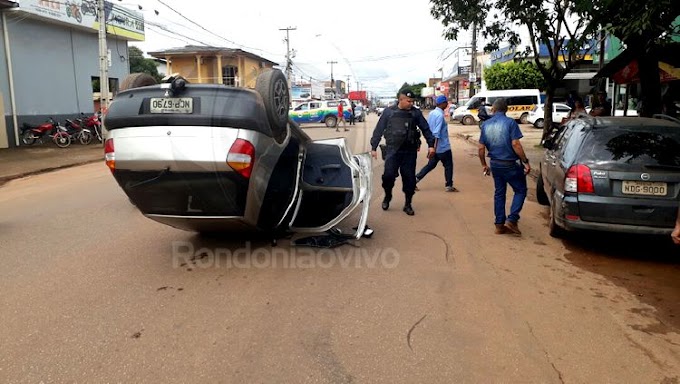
[[520, 103]]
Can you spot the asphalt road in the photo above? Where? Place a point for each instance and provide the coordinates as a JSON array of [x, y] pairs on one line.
[[91, 291]]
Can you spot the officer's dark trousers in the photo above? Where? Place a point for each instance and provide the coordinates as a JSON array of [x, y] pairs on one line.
[[400, 163]]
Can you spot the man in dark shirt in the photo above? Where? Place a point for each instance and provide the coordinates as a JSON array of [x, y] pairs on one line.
[[509, 165], [399, 124], [604, 106]]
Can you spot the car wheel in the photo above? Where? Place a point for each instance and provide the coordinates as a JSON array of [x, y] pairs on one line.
[[541, 197], [538, 123], [554, 230], [331, 121], [468, 120], [136, 80], [273, 87], [524, 119]]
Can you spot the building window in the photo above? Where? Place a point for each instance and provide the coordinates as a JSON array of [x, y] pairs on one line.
[[230, 76]]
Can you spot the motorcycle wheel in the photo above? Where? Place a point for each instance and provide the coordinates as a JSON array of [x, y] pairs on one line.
[[85, 138], [27, 137], [61, 139]]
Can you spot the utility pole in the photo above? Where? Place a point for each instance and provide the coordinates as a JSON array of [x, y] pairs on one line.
[[289, 62], [332, 81], [103, 60], [348, 83], [473, 60]]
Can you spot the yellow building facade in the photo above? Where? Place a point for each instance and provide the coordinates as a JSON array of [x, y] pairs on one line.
[[214, 65]]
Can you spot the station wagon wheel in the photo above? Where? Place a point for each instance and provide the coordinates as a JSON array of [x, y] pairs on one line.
[[539, 123], [273, 87], [524, 119], [554, 230], [136, 80], [468, 120], [541, 197]]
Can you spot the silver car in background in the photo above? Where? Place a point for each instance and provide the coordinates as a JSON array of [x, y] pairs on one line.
[[212, 158]]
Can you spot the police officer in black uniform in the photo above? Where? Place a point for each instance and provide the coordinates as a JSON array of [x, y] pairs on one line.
[[399, 124]]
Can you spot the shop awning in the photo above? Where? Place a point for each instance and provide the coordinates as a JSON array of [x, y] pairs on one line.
[[624, 69]]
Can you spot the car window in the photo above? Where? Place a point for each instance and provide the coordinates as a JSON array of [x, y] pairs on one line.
[[314, 105], [648, 145], [332, 104], [573, 141], [561, 108], [302, 107]]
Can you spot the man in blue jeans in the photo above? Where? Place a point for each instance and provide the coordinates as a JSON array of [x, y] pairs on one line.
[[509, 165], [440, 130]]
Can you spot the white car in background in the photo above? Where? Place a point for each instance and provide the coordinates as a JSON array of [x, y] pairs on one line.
[[537, 115]]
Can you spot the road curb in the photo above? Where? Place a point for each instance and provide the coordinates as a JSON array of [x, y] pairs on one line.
[[6, 179], [533, 173]]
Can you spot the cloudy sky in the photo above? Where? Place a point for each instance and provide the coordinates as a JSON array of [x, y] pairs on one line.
[[376, 43]]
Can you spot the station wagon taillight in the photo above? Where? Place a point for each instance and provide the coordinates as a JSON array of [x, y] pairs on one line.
[[241, 157], [110, 154], [579, 179]]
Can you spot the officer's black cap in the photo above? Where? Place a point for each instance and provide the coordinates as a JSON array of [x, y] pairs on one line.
[[408, 93]]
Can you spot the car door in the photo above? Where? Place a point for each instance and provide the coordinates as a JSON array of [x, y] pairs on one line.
[[333, 183], [300, 114], [560, 111], [551, 162], [315, 112]]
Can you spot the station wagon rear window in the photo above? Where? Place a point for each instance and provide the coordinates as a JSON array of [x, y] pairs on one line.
[[650, 145]]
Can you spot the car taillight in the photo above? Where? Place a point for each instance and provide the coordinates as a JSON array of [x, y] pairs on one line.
[[110, 154], [241, 157], [579, 179]]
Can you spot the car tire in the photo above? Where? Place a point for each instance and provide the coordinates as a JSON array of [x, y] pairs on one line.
[[331, 121], [136, 80], [539, 123], [468, 120], [541, 197], [524, 119], [553, 229], [273, 88]]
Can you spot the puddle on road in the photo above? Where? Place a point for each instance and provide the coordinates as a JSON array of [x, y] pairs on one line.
[[646, 266]]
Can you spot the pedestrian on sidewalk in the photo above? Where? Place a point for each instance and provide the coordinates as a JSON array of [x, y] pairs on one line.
[[400, 125], [351, 114], [508, 165], [341, 117], [440, 130]]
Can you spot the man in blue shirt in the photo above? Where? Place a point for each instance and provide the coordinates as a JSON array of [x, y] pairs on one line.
[[509, 165], [440, 131]]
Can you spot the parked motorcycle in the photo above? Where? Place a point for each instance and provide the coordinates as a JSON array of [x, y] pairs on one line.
[[94, 124], [77, 131], [30, 134]]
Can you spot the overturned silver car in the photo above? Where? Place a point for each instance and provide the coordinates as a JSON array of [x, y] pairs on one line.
[[212, 158]]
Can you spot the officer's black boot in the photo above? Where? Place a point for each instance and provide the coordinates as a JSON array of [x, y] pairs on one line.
[[386, 200], [407, 206]]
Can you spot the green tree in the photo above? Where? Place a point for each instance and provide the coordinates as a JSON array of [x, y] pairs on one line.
[[513, 75], [563, 26], [138, 63], [644, 27]]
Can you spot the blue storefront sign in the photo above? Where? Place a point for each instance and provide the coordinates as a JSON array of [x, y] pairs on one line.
[[504, 54]]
